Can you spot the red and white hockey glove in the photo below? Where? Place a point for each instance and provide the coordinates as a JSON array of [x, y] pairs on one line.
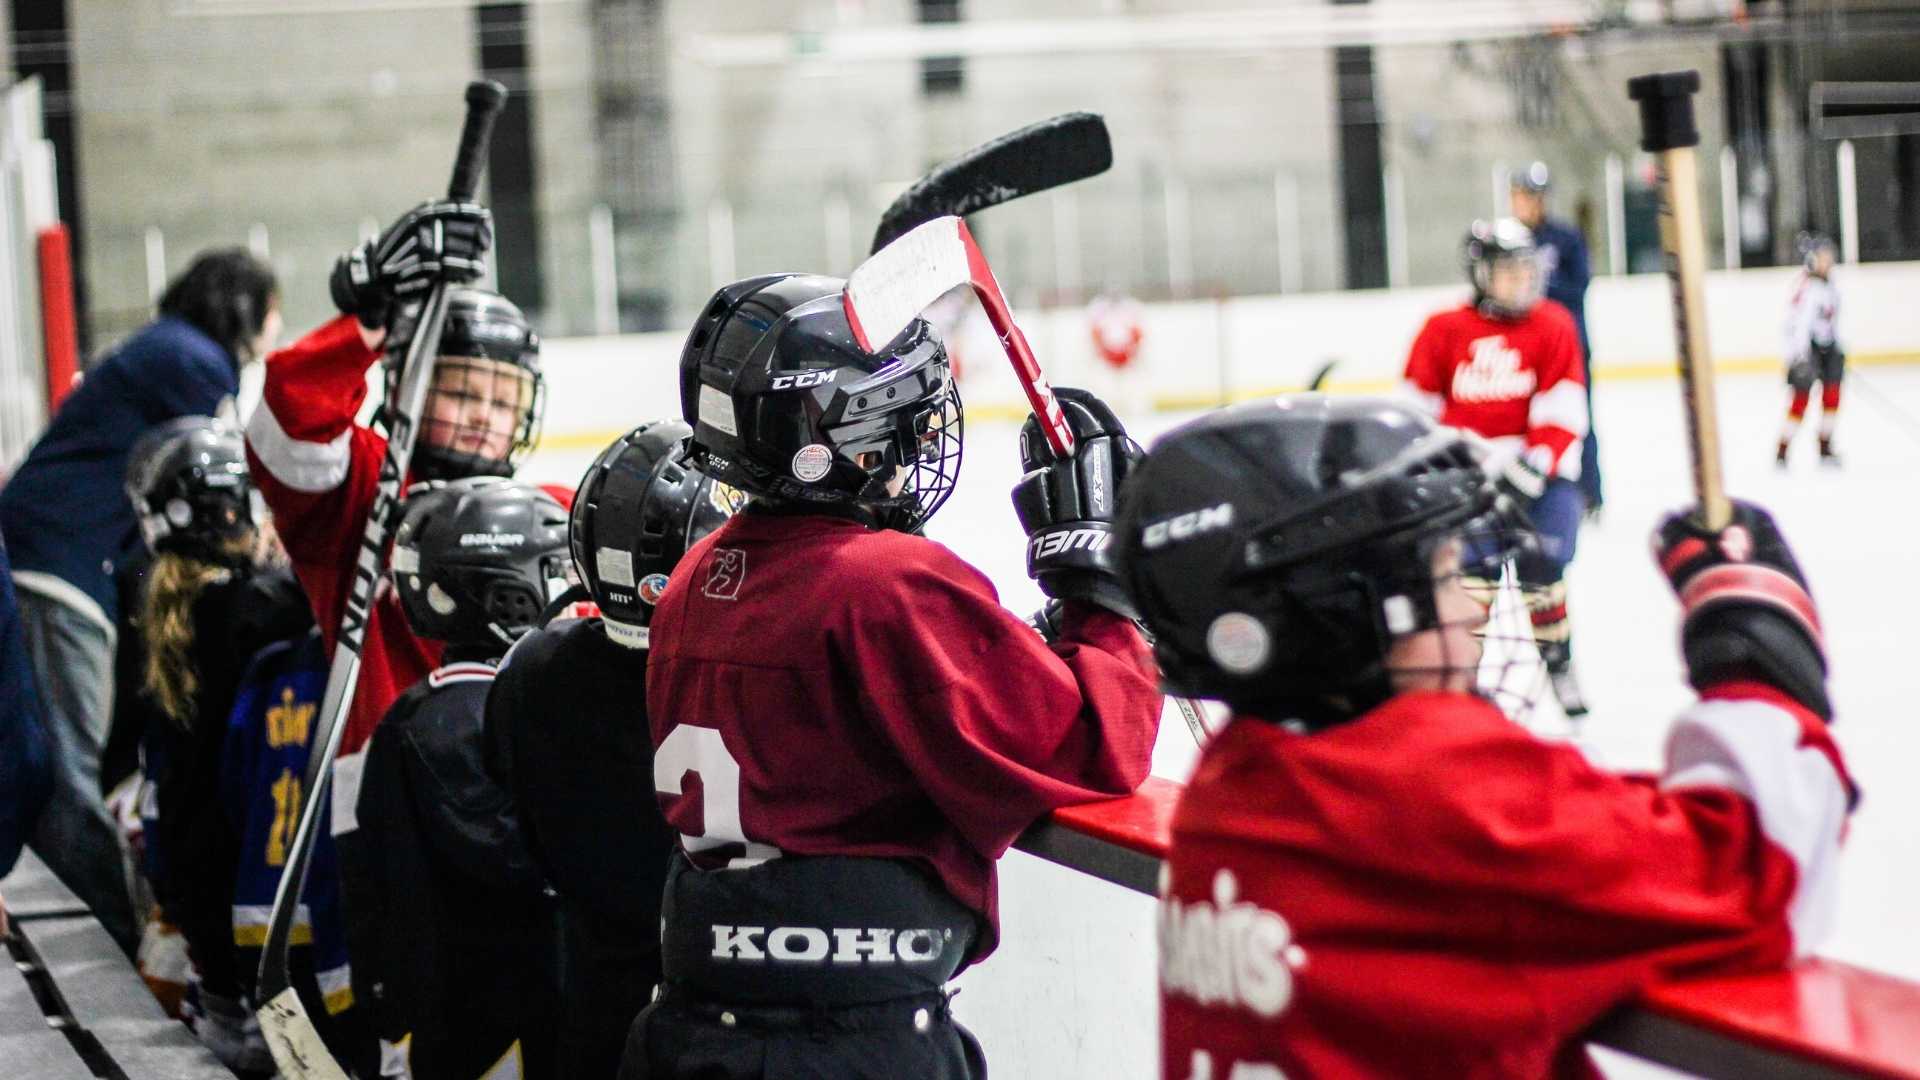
[[1745, 612]]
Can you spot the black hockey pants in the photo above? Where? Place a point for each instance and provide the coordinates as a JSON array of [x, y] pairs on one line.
[[680, 1037]]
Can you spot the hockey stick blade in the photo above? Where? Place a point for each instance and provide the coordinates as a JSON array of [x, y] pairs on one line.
[[1319, 380], [289, 1032], [1047, 154], [896, 284]]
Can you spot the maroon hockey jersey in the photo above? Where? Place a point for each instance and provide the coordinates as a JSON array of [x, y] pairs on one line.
[[318, 472], [1429, 891], [1519, 382], [821, 688]]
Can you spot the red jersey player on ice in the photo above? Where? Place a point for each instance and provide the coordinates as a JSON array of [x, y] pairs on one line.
[[849, 729], [1507, 366], [1374, 872], [1813, 348]]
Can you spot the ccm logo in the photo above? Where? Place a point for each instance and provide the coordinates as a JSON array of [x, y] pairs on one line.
[[803, 380], [1186, 526], [842, 945], [1041, 547]]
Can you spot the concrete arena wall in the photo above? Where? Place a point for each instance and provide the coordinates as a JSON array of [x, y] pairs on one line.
[[1200, 353]]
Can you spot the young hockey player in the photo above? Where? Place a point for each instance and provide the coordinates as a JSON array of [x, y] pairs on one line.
[[450, 927], [318, 469], [1813, 348], [1507, 366], [567, 736], [848, 728], [207, 605], [1373, 871]]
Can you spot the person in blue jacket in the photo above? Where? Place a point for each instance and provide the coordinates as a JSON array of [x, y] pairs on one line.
[[1563, 259], [66, 521], [24, 779]]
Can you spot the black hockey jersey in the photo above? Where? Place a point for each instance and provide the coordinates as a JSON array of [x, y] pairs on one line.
[[450, 928], [567, 735]]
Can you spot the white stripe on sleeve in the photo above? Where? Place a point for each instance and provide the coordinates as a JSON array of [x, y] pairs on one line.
[[1563, 405], [1430, 403], [303, 466], [1753, 748]]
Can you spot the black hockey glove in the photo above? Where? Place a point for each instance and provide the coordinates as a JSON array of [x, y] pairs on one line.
[[1744, 606], [433, 242], [1067, 506]]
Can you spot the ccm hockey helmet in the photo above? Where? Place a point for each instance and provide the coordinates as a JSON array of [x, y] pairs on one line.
[[639, 508], [1504, 242], [785, 405], [476, 560], [1276, 549], [188, 482], [489, 365]]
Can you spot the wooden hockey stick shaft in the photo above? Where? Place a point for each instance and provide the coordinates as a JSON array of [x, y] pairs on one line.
[[1667, 130]]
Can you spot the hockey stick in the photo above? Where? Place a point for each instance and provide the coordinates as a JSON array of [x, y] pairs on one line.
[[1069, 147], [1319, 380], [1667, 131], [290, 1034], [892, 287]]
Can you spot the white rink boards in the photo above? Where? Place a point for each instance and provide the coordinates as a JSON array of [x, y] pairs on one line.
[[1070, 993]]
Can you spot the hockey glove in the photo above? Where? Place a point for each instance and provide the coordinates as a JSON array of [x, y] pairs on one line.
[[1745, 612], [1520, 483], [1067, 506], [433, 242]]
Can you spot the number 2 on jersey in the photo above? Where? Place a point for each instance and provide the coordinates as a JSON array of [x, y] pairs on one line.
[[702, 752]]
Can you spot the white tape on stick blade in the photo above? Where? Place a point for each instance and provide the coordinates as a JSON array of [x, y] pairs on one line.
[[296, 1046]]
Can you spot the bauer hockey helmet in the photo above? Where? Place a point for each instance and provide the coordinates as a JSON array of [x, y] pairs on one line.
[[476, 560], [1276, 549], [784, 404], [639, 508], [188, 482], [1501, 243], [492, 357]]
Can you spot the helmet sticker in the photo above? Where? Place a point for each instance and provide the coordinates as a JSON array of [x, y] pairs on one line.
[[1238, 643], [651, 588], [812, 463], [439, 601], [614, 566], [726, 498], [716, 410]]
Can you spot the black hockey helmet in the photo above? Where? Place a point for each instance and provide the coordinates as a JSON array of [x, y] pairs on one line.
[[1505, 240], [1276, 549], [639, 508], [784, 404], [476, 560], [188, 482], [495, 352]]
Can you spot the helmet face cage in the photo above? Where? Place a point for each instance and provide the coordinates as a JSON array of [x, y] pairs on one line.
[[481, 417], [1503, 247], [927, 447], [1503, 664]]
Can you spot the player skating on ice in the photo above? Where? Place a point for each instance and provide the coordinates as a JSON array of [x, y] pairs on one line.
[[849, 729], [1507, 366], [1374, 872], [1813, 347], [567, 734], [452, 928]]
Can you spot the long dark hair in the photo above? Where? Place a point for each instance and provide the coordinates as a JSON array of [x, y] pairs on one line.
[[226, 292]]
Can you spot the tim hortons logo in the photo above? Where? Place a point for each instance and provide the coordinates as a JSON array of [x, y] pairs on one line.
[[1227, 951], [1492, 372], [1056, 543], [840, 945], [803, 379], [1186, 526]]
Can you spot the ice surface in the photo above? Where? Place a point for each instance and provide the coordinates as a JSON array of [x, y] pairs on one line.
[[1855, 532]]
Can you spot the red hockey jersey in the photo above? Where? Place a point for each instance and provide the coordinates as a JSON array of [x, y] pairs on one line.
[[830, 689], [1520, 382], [318, 471], [1429, 891]]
